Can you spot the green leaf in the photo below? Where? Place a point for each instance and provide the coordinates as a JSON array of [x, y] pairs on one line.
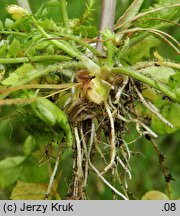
[[18, 74], [174, 81], [23, 24], [42, 45], [11, 80], [177, 92], [9, 24], [45, 112], [14, 48], [1, 26], [42, 12], [29, 191], [171, 112], [130, 13], [32, 171], [160, 73], [142, 50], [92, 67], [29, 145], [42, 133], [10, 169], [3, 47], [155, 195], [49, 25], [86, 31], [53, 3], [53, 115], [165, 2], [159, 19], [88, 11], [168, 13], [24, 69]]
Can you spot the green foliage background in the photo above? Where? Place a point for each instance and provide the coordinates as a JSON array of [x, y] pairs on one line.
[[146, 173]]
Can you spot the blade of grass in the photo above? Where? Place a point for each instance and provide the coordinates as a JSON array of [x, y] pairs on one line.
[[117, 26], [65, 18], [129, 14]]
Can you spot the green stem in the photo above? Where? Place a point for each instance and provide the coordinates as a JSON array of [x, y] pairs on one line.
[[170, 64], [13, 33], [34, 59], [38, 73], [68, 49], [89, 47], [143, 35], [57, 67], [64, 14], [81, 42], [110, 52], [143, 65], [155, 84]]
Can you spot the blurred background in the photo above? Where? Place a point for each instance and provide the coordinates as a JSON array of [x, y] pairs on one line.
[[146, 172]]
